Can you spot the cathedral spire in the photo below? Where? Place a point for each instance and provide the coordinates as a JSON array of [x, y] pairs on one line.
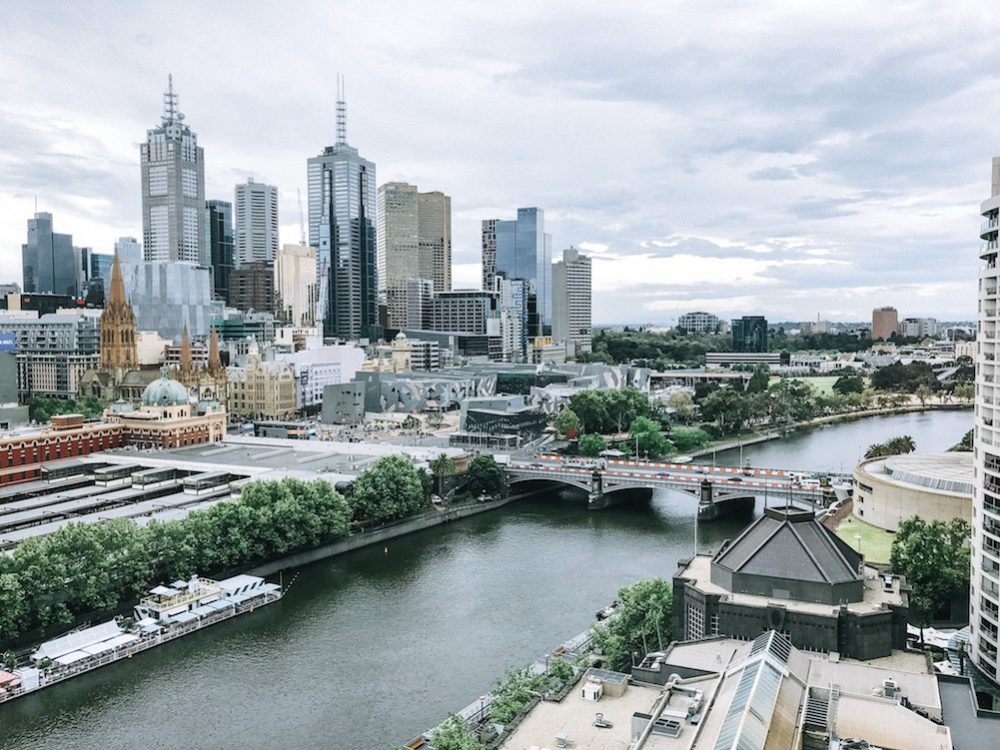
[[117, 293], [118, 332], [186, 360], [214, 361]]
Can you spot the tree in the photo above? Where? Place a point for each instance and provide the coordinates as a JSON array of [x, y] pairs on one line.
[[729, 409], [893, 447], [641, 622], [485, 477], [646, 436], [964, 391], [923, 394], [682, 404], [390, 489], [567, 423], [759, 380], [689, 438], [441, 467], [592, 445], [849, 383], [454, 734], [934, 557], [592, 410], [965, 444]]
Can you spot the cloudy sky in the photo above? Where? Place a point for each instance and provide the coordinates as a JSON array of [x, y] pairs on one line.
[[787, 159]]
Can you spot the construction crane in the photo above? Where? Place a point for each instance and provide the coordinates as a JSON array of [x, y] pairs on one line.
[[302, 221]]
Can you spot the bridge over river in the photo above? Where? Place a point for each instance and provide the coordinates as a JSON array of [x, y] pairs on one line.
[[718, 489]]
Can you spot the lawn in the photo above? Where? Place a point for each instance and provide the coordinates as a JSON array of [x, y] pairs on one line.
[[822, 385], [876, 543]]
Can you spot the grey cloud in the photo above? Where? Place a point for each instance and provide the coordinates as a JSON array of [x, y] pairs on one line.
[[774, 173]]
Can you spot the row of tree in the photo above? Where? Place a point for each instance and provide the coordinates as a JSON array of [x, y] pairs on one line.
[[42, 408], [893, 447], [95, 567]]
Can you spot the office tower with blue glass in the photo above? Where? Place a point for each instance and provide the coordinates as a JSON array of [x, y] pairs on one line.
[[48, 261], [342, 227], [522, 250]]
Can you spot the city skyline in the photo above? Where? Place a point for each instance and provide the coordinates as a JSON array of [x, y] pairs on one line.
[[813, 193]]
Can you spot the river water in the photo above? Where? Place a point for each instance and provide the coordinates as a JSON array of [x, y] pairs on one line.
[[369, 649]]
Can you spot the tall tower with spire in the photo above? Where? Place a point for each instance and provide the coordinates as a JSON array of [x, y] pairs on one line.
[[174, 222], [118, 331], [342, 201]]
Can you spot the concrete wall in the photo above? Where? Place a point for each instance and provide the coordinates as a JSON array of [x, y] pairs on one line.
[[889, 503]]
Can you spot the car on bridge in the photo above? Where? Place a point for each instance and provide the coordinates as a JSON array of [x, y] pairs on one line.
[[734, 479]]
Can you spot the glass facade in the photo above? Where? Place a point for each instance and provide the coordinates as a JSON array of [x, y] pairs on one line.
[[48, 262], [750, 334], [524, 252], [221, 244]]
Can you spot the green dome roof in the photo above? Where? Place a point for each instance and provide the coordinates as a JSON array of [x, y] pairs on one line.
[[164, 392]]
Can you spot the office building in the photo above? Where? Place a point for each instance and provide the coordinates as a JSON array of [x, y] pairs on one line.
[[521, 250], [398, 247], [489, 252], [885, 323], [167, 296], [256, 225], [921, 328], [314, 369], [251, 287], [419, 299], [48, 262], [464, 311], [128, 250], [750, 334], [295, 287], [571, 302], [174, 224], [984, 589], [219, 217], [435, 237], [699, 322], [54, 351], [81, 268], [342, 210], [261, 389]]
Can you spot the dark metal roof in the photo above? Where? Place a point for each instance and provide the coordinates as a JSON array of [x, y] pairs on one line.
[[790, 543]]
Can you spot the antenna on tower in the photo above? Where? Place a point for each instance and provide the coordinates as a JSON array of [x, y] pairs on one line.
[[341, 112], [170, 102], [302, 221]]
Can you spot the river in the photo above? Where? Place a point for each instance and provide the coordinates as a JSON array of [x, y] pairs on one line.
[[371, 648]]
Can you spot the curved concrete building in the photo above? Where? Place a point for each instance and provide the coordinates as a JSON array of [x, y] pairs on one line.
[[984, 587], [933, 486]]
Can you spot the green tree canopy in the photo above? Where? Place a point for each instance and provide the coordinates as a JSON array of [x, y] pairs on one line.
[[592, 445], [934, 557], [390, 489], [641, 622], [849, 383], [485, 476], [567, 423], [729, 409], [454, 734], [683, 405], [646, 435]]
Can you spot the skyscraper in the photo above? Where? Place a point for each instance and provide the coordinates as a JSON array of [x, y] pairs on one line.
[[571, 301], [256, 223], [984, 586], [295, 284], [220, 242], [435, 237], [398, 247], [128, 249], [521, 249], [885, 322], [173, 189], [342, 228], [47, 259]]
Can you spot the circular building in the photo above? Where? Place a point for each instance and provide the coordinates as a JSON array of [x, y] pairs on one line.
[[933, 486]]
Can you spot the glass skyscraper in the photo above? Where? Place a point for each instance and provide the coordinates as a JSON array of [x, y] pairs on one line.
[[48, 261], [342, 227], [523, 251], [173, 189], [221, 244], [750, 334]]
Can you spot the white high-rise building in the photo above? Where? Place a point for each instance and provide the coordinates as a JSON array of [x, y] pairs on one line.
[[256, 223], [295, 284], [128, 250], [984, 588], [174, 225], [571, 301]]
